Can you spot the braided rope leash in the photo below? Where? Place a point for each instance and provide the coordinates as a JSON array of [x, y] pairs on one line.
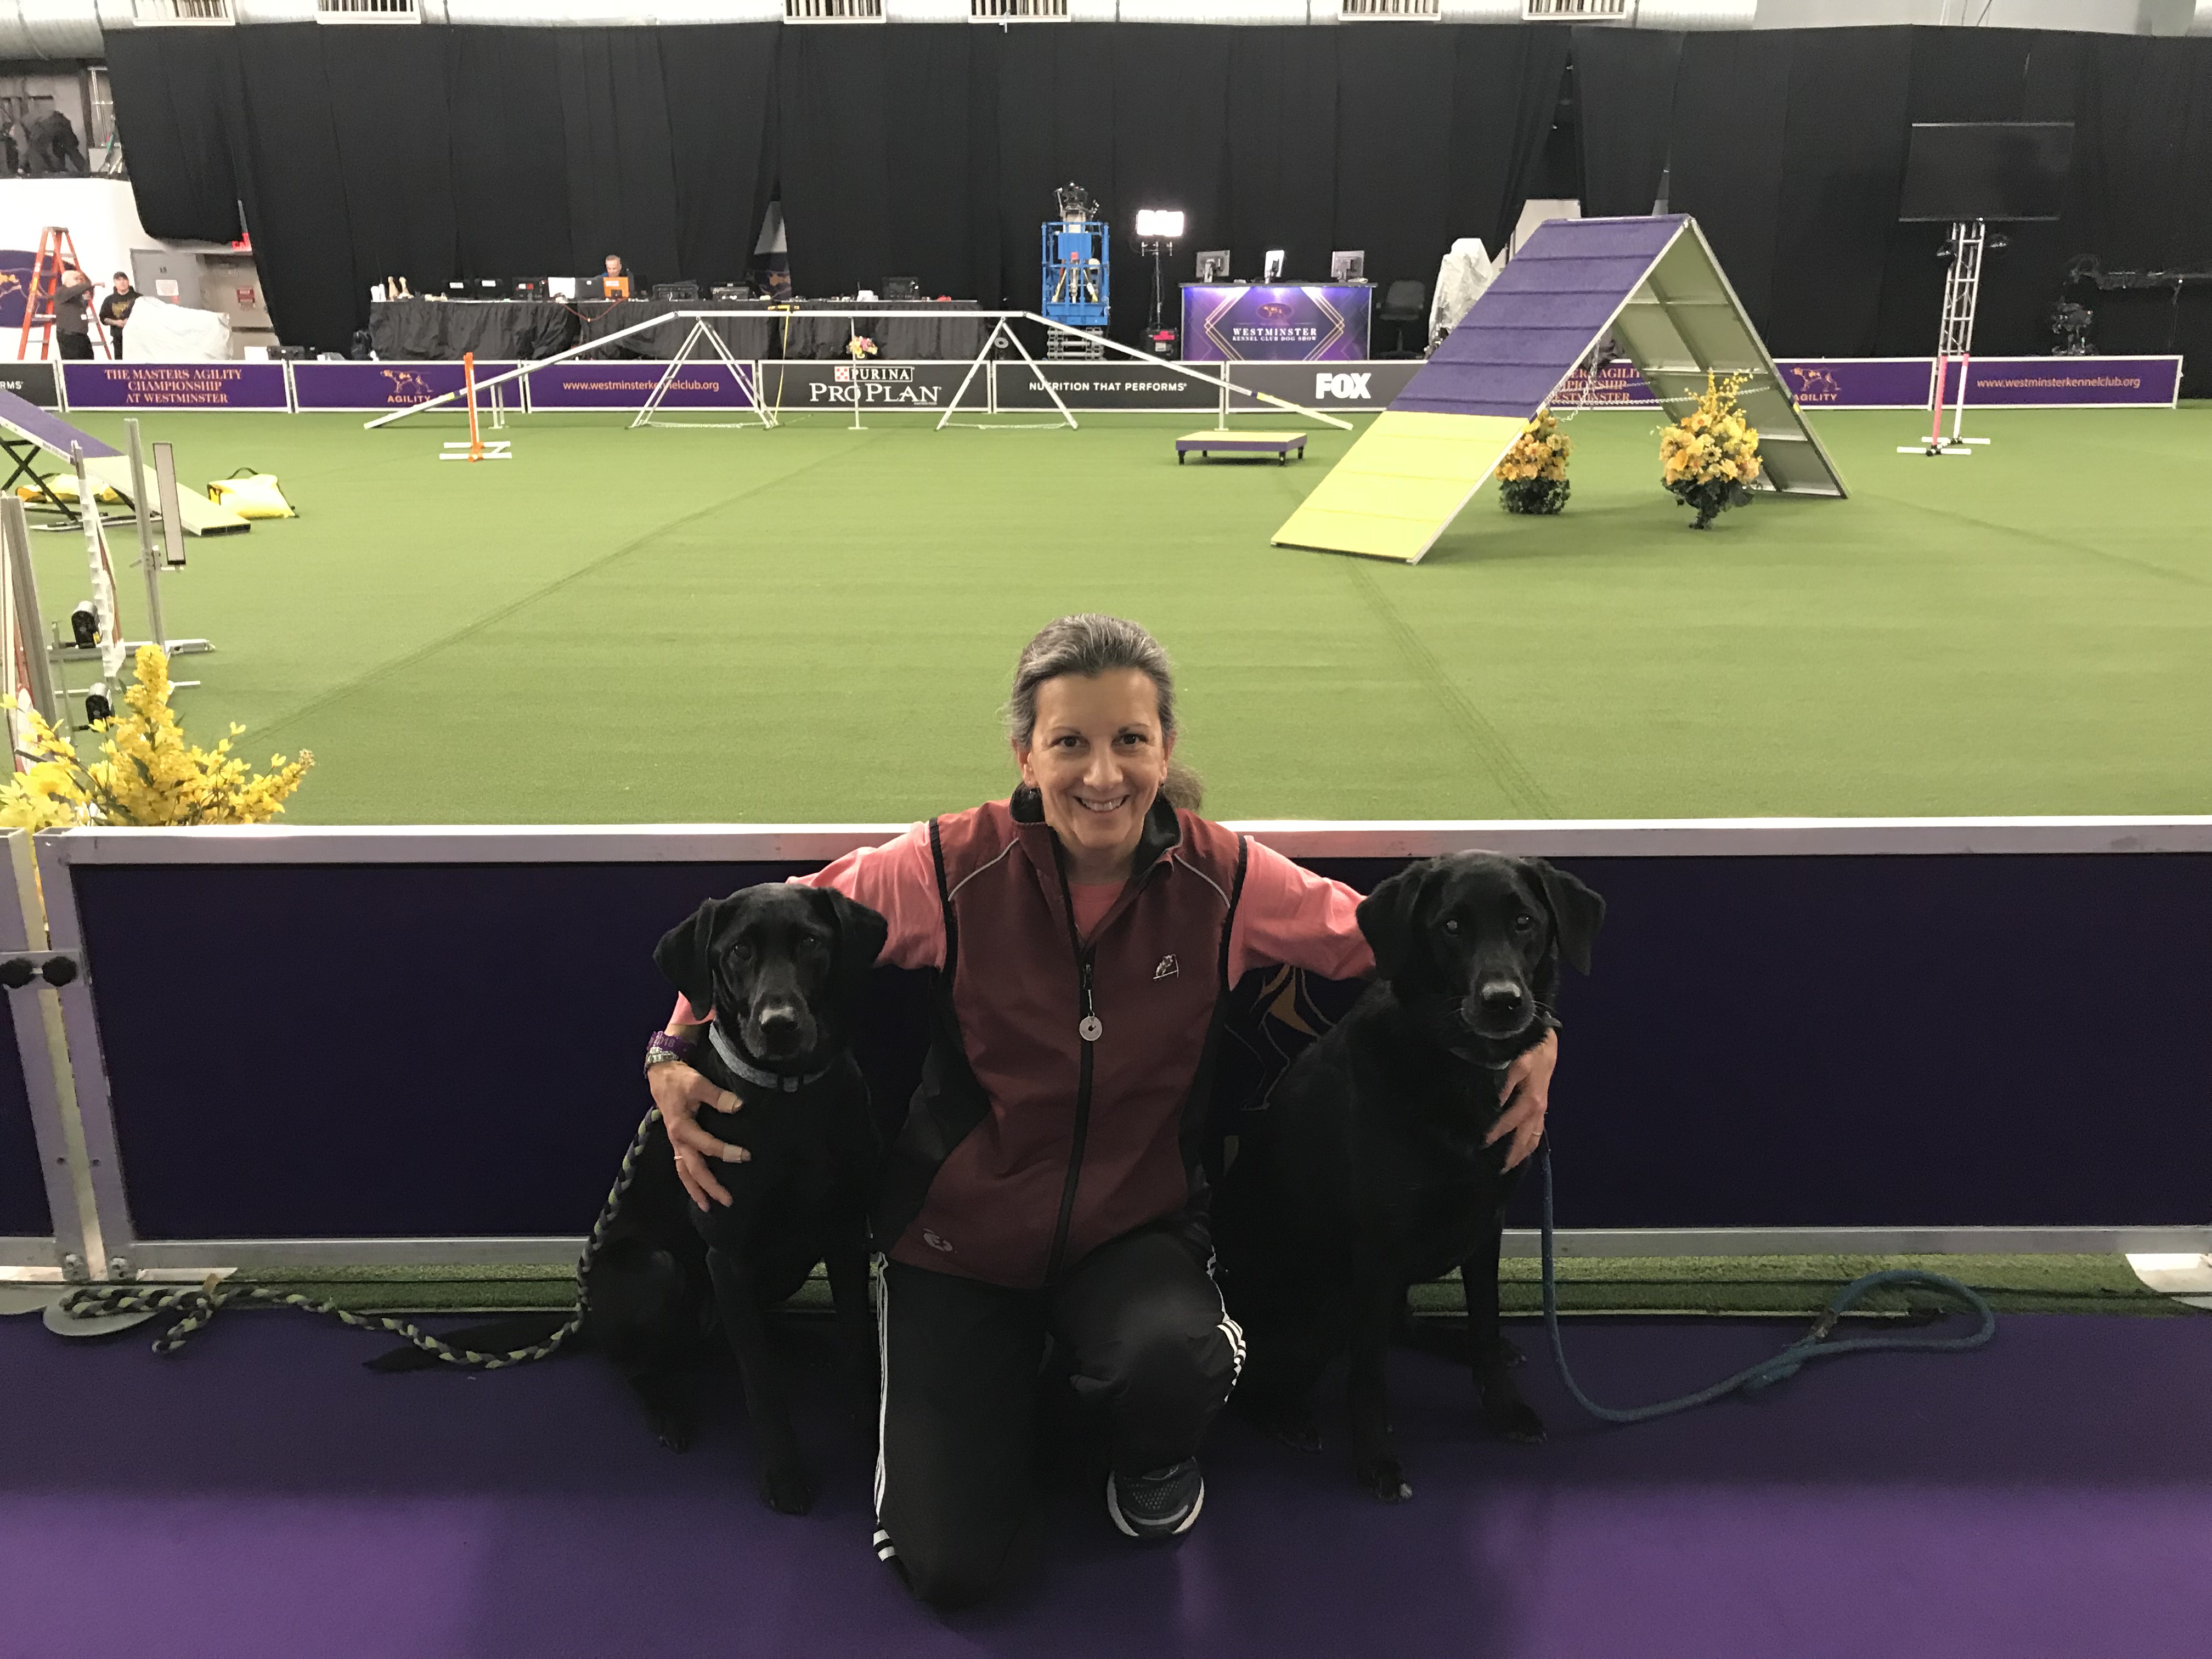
[[1814, 1344], [200, 1303]]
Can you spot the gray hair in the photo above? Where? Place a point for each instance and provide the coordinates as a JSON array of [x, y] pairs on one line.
[[1091, 645], [1088, 645]]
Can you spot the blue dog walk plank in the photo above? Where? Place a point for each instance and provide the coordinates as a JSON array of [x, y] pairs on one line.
[[49, 431]]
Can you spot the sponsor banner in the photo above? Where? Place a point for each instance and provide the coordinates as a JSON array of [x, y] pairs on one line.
[[813, 383], [582, 385], [33, 382], [388, 386], [1346, 385], [2070, 382], [1129, 385], [175, 386], [1299, 323]]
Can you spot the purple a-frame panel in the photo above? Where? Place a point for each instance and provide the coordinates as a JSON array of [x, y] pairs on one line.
[[1539, 319]]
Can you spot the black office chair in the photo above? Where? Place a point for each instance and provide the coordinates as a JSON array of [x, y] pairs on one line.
[[1405, 304]]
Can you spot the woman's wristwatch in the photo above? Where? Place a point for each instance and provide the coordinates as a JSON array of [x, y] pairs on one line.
[[662, 1046]]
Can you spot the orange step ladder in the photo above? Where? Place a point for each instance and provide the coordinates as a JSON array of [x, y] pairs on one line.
[[55, 251]]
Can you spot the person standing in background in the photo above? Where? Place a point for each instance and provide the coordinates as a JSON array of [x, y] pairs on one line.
[[72, 316], [116, 307]]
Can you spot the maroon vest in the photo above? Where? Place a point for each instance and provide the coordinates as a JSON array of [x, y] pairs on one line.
[[1030, 1143]]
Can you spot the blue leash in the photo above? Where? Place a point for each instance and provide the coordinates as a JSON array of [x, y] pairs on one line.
[[1814, 1344]]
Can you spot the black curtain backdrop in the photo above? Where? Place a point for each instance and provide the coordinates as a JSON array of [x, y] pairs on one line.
[[933, 152]]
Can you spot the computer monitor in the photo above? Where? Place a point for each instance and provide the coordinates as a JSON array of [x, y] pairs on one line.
[[2002, 170], [902, 288], [1348, 265], [1271, 268], [1213, 265]]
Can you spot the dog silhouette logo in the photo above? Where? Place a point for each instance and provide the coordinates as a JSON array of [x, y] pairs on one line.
[[407, 386], [936, 1243], [1816, 386], [1275, 312], [1168, 968], [10, 281]]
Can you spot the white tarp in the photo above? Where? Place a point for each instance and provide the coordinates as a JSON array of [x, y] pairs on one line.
[[1466, 271], [159, 332]]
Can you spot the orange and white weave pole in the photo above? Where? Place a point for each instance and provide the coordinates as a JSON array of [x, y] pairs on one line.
[[476, 449]]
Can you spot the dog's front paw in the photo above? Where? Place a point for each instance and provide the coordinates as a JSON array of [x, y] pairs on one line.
[[1386, 1477], [1511, 1417], [788, 1488], [673, 1426]]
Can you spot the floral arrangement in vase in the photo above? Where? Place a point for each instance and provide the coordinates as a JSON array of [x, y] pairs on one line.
[[150, 775], [1709, 459], [1532, 477]]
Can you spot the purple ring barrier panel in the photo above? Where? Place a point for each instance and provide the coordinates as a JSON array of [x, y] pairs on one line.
[[1908, 382], [1275, 322], [1752, 1052], [627, 385], [175, 386], [23, 1209], [363, 387]]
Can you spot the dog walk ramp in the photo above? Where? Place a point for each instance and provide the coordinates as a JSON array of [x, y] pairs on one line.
[[108, 467], [1650, 284]]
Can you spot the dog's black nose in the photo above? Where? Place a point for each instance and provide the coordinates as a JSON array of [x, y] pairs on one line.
[[1500, 996], [779, 1026]]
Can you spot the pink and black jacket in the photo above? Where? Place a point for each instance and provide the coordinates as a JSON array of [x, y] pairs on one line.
[[1066, 1088]]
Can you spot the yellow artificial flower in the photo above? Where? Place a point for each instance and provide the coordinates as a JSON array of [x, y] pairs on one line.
[[149, 775]]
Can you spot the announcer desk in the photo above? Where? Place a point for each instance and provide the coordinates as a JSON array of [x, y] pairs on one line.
[[498, 331], [910, 330]]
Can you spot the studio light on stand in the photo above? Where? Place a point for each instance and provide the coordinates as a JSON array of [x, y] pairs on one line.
[[1157, 232]]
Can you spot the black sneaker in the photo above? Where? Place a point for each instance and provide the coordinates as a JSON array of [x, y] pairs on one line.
[[1161, 1505]]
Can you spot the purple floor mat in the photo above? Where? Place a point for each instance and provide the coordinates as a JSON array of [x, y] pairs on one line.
[[262, 1495]]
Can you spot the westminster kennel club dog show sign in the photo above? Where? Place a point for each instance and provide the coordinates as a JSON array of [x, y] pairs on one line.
[[1309, 323]]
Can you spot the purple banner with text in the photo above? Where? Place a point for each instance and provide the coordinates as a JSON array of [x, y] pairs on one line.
[[1251, 322], [175, 386], [2070, 382], [1906, 382], [582, 385], [390, 385]]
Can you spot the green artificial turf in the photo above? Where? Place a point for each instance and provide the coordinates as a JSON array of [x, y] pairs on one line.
[[816, 624]]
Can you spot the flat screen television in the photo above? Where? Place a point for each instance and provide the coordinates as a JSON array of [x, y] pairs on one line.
[[2003, 170]]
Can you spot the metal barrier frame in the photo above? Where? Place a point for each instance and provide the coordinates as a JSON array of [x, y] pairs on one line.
[[74, 1249], [126, 1256]]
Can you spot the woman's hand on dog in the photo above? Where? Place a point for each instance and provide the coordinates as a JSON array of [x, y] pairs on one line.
[[679, 1092], [1528, 1093]]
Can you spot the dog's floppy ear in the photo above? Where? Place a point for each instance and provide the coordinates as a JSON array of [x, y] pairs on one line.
[[860, 936], [685, 955], [1577, 912], [1387, 917]]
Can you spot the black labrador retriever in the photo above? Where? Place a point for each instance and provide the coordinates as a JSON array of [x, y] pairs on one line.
[[1371, 1173], [784, 968]]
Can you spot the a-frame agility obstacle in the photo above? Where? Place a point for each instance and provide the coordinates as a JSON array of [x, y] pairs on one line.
[[1650, 284]]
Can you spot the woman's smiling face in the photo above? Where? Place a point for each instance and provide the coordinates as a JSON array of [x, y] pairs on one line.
[[1096, 757]]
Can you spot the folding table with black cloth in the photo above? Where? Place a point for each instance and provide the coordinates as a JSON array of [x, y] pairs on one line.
[[913, 331], [442, 331]]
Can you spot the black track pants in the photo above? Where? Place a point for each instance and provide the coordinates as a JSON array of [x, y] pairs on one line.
[[1151, 1348]]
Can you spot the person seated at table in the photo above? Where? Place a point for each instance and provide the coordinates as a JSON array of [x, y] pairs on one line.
[[614, 284]]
